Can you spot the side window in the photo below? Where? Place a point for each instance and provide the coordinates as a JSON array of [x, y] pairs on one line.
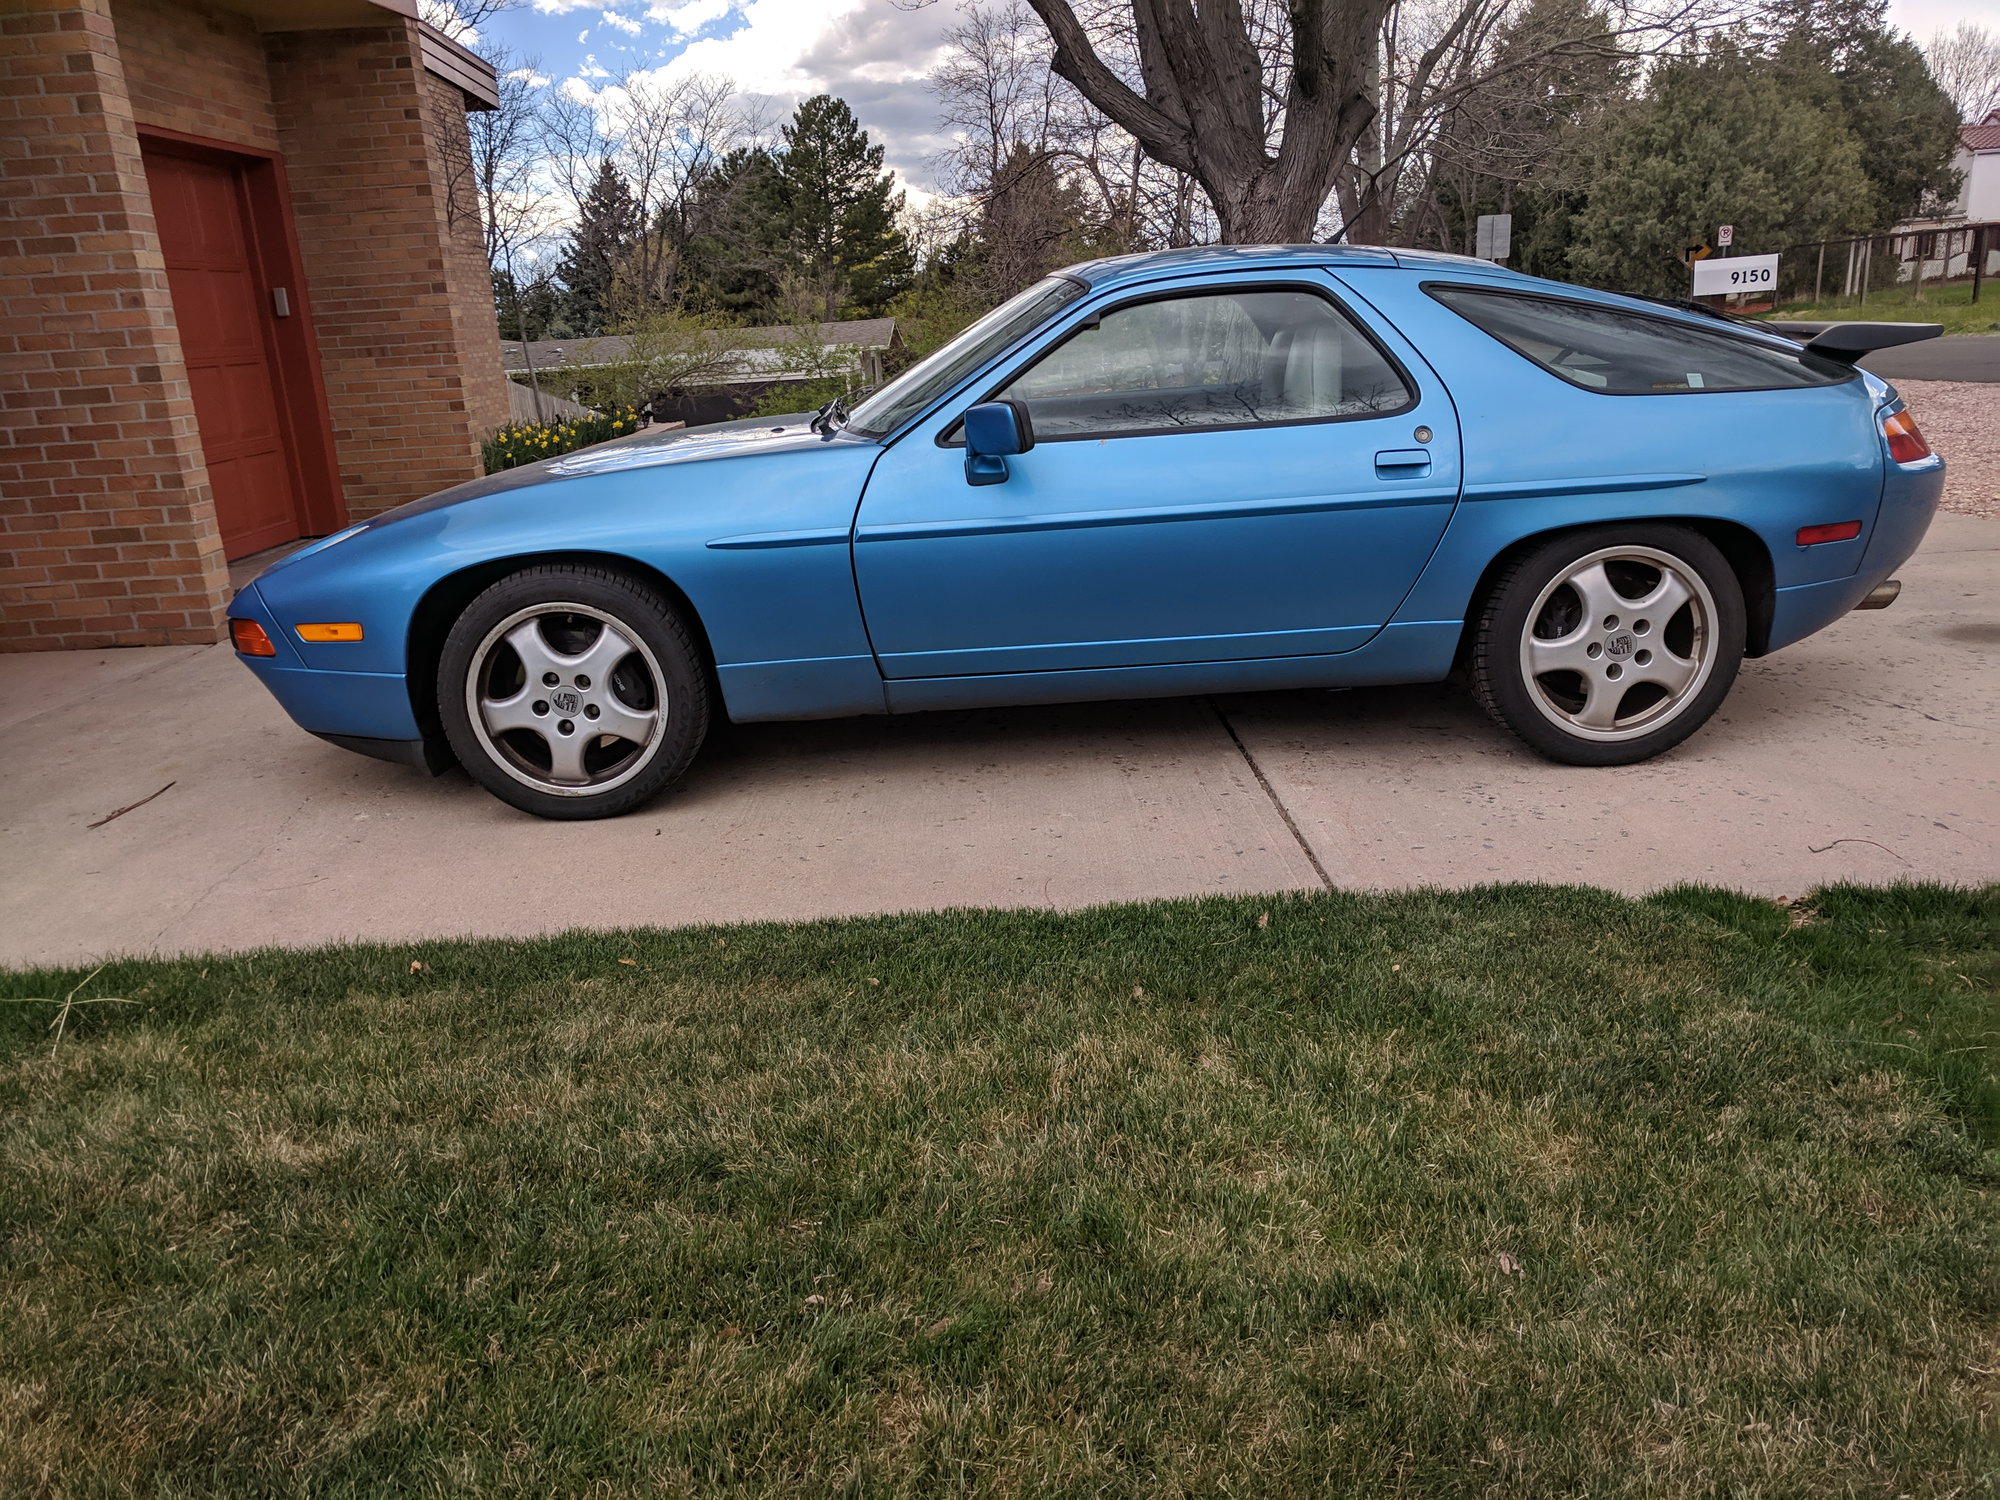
[[1216, 359], [1629, 354]]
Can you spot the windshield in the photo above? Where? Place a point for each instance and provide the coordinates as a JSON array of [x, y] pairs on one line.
[[929, 378]]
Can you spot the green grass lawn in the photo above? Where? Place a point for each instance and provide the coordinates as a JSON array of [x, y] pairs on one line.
[[1534, 1192], [1950, 305]]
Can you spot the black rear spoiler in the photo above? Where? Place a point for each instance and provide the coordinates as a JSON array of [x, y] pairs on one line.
[[1847, 342]]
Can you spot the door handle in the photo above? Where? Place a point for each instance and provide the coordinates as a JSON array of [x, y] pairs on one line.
[[1402, 463]]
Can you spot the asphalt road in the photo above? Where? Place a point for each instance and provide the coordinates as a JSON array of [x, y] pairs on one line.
[[1864, 753], [1965, 356]]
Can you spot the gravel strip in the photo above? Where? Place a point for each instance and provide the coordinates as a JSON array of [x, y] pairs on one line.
[[1962, 420]]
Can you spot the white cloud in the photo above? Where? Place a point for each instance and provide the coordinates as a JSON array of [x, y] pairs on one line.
[[687, 17], [873, 55], [624, 23], [530, 77], [564, 7]]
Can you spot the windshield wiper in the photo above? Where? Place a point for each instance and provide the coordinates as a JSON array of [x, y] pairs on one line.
[[830, 418]]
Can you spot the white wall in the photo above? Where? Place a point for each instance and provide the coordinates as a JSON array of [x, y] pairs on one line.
[[1979, 198]]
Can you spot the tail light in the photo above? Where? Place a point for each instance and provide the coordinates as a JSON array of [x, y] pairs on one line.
[[1906, 444], [248, 637]]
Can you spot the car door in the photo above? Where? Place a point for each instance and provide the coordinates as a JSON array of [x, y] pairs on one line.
[[1220, 472]]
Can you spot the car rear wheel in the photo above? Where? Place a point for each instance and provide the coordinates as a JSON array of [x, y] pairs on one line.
[[1610, 645], [572, 692]]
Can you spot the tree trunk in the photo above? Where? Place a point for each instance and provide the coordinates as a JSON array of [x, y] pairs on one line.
[[1258, 210], [1202, 111]]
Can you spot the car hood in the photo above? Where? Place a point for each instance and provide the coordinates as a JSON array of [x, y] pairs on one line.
[[652, 448]]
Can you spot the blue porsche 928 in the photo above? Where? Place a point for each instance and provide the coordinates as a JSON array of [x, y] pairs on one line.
[[1188, 472]]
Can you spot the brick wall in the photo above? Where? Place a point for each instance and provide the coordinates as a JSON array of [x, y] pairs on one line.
[[196, 70], [466, 273], [369, 202], [109, 528], [107, 525]]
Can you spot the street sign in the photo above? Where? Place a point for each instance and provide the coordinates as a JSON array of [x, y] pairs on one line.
[[1495, 236], [1736, 273], [1726, 236], [1697, 250]]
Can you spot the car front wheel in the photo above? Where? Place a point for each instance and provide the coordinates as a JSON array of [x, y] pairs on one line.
[[572, 692], [1607, 646]]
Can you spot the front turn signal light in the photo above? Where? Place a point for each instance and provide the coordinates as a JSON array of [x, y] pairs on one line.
[[348, 631], [1906, 444], [248, 637]]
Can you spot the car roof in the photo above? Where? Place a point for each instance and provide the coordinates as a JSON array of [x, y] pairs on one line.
[[1116, 270]]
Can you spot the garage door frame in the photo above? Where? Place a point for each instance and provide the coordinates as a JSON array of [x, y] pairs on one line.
[[301, 391]]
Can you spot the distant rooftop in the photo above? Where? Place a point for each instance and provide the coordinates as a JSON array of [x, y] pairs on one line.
[[759, 347]]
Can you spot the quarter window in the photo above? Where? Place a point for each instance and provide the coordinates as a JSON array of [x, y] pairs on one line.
[[1629, 354], [1218, 359]]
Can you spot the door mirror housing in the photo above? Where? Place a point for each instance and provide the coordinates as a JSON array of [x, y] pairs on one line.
[[995, 430]]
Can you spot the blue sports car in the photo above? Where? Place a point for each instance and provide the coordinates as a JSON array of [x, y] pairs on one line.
[[1194, 471]]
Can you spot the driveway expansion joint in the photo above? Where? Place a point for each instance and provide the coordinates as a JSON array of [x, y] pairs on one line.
[[1277, 802]]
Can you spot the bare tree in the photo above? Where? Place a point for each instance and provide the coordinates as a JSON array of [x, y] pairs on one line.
[[1016, 123], [1271, 106], [1440, 161], [461, 19], [1201, 102], [1966, 64], [516, 210], [666, 136]]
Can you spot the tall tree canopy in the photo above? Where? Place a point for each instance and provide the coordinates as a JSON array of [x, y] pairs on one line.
[[1717, 140], [1873, 81], [607, 227], [838, 209]]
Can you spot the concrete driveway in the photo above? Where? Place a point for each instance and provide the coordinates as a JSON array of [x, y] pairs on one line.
[[1866, 753]]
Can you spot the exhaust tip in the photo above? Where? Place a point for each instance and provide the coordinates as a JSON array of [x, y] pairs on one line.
[[1882, 595]]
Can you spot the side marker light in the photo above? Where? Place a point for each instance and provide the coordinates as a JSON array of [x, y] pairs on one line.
[[248, 637]]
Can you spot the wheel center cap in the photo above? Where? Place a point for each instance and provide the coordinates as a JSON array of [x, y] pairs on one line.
[[1618, 646], [566, 702]]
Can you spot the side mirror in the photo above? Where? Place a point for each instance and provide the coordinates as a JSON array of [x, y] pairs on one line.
[[993, 431]]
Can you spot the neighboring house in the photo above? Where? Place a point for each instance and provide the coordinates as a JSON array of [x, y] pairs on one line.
[[245, 296], [1978, 159], [759, 358]]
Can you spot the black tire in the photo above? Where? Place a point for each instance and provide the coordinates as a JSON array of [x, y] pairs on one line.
[[1617, 705], [619, 654]]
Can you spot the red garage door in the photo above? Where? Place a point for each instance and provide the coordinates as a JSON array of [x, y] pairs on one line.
[[224, 310]]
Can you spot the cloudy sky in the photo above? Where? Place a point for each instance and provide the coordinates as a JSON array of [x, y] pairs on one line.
[[872, 53]]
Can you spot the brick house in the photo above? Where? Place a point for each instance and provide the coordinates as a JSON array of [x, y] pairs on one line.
[[243, 296]]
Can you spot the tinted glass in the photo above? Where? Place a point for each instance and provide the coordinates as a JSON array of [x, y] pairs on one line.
[[1220, 359], [921, 384], [1629, 354]]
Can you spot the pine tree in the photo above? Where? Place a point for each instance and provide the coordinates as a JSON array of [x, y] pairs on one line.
[[838, 210], [607, 225], [733, 263], [1873, 80], [1718, 140]]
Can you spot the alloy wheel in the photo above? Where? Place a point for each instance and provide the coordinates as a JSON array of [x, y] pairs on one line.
[[567, 699], [1619, 643]]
